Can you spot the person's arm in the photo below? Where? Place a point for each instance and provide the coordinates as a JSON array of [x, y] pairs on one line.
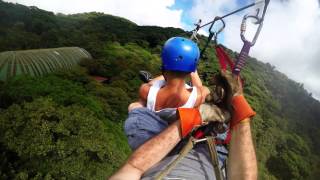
[[144, 91], [143, 97], [143, 94], [242, 163], [149, 153], [195, 79], [203, 91]]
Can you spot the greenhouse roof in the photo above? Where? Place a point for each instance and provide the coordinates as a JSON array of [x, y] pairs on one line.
[[39, 61]]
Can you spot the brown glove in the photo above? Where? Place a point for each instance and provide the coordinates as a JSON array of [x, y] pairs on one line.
[[223, 87], [212, 113], [241, 109], [218, 106], [234, 83]]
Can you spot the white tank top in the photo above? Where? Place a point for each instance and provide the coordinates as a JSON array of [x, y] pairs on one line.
[[157, 85]]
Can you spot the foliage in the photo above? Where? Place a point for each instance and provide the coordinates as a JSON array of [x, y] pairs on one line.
[[45, 140], [62, 91], [60, 127], [35, 28]]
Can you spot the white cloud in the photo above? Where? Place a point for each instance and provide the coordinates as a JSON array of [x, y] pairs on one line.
[[142, 12], [290, 38]]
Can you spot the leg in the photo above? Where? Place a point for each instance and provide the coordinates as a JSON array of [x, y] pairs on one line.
[[134, 106], [141, 125]]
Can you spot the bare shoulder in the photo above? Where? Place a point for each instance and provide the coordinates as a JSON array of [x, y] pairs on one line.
[[144, 91]]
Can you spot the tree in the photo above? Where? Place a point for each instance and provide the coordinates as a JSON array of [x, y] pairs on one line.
[[42, 139]]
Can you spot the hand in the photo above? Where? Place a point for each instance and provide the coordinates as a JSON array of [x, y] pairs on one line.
[[234, 83], [212, 113], [224, 87]]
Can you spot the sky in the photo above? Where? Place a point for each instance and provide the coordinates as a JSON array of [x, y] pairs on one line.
[[290, 38]]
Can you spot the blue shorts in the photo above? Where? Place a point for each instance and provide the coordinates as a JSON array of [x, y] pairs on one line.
[[141, 125]]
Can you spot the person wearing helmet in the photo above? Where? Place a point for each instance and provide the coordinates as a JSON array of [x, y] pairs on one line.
[[180, 57], [164, 94]]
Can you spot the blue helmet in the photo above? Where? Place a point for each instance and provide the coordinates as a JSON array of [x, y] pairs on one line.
[[180, 54]]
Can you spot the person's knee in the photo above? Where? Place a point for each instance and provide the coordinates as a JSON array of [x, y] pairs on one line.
[[134, 106]]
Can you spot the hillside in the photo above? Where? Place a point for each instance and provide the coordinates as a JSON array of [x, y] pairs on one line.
[[68, 126]]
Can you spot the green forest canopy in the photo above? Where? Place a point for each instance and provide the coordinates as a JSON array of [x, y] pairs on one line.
[[67, 126]]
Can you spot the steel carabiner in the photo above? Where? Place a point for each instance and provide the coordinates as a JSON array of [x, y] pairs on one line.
[[216, 33], [259, 21], [244, 53], [244, 27], [213, 34]]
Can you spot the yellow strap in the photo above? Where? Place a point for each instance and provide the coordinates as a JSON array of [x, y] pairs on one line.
[[214, 157], [186, 149]]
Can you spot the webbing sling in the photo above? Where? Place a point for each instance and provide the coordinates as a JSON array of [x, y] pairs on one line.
[[242, 57], [186, 149], [223, 58], [214, 158]]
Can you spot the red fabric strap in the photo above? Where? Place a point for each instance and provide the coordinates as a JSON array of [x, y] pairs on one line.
[[223, 59]]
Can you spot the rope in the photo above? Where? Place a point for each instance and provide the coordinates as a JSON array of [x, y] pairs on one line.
[[236, 11], [240, 62]]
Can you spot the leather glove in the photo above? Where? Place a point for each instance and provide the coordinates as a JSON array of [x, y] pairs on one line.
[[241, 110], [234, 83], [212, 113], [224, 86]]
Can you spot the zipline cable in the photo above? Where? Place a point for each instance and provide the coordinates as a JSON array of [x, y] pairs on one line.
[[213, 34], [240, 60], [233, 12]]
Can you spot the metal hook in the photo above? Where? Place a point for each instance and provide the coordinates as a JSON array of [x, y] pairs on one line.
[[244, 27], [195, 31], [259, 21], [241, 59], [215, 33]]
